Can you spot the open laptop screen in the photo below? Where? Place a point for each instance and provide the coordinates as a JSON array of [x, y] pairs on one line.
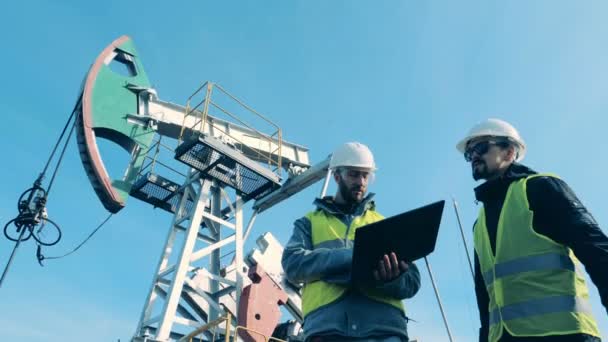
[[411, 235]]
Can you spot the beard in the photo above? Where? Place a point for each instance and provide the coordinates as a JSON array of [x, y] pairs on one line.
[[349, 194], [480, 170]]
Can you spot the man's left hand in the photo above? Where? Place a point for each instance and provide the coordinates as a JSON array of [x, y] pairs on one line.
[[389, 268]]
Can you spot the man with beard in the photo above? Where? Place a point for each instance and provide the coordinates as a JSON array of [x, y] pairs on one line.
[[319, 255], [529, 236]]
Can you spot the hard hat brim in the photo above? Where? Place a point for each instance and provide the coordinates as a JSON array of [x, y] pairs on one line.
[[362, 168], [521, 153], [462, 145]]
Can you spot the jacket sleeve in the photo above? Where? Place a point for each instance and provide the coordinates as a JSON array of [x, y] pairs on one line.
[[483, 302], [559, 215], [403, 287], [303, 264]]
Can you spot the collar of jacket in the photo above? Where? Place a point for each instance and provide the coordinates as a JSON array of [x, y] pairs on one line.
[[328, 205], [497, 188]]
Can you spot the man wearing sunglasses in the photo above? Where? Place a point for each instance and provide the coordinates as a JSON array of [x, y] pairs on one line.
[[529, 237], [319, 254]]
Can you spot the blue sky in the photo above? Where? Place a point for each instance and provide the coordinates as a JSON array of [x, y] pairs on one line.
[[408, 78]]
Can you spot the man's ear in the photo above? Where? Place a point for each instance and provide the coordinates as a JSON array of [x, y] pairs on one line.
[[337, 175]]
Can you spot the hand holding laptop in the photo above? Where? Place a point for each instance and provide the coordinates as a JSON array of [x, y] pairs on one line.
[[408, 236], [389, 268]]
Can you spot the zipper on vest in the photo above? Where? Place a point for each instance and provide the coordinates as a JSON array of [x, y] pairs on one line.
[[349, 221]]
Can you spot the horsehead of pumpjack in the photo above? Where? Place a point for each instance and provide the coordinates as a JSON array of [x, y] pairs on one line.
[[108, 99]]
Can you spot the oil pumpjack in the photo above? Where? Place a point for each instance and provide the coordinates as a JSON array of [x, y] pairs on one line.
[[220, 163]]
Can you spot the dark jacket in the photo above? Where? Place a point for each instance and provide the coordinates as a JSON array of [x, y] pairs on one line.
[[560, 216], [354, 315]]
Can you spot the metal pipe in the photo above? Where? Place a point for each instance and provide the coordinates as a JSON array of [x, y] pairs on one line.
[[204, 328], [10, 259], [464, 241], [156, 152], [326, 183], [445, 320], [215, 260], [250, 225]]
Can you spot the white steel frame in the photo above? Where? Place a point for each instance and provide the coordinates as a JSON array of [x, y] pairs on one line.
[[171, 286], [171, 280]]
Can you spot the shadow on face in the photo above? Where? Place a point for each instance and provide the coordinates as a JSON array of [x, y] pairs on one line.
[[352, 184], [489, 157]]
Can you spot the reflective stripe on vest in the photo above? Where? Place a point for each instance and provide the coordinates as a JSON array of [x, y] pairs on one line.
[[549, 261], [534, 284], [327, 231], [541, 307]]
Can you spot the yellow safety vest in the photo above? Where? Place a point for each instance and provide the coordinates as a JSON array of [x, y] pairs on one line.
[[534, 284], [329, 232]]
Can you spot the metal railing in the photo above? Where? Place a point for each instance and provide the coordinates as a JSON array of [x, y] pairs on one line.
[[227, 331], [151, 160], [200, 109], [228, 318], [266, 339]]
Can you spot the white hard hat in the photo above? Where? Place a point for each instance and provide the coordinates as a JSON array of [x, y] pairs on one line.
[[495, 128], [352, 154]]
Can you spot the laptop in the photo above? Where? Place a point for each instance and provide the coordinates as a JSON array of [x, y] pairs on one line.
[[411, 235]]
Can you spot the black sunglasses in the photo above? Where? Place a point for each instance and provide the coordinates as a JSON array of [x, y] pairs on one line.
[[482, 148]]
